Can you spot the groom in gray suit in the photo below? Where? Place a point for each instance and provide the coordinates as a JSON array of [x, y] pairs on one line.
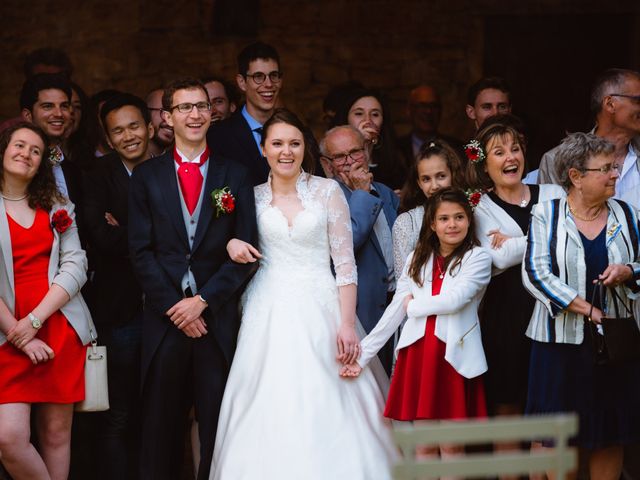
[[373, 208]]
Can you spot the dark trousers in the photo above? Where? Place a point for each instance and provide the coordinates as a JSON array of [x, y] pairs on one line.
[[118, 438], [183, 372]]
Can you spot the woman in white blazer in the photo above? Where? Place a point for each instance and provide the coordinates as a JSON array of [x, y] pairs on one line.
[[440, 354], [44, 323], [496, 167]]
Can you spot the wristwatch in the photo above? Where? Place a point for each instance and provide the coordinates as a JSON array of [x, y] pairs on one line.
[[35, 321]]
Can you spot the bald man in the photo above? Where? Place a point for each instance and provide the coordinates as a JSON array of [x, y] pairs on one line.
[[424, 110]]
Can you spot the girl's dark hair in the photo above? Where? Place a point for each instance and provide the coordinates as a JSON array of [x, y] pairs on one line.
[[282, 115], [411, 195], [429, 243], [502, 126], [42, 190]]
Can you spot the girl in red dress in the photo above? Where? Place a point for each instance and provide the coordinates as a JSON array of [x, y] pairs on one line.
[[440, 356], [44, 323]]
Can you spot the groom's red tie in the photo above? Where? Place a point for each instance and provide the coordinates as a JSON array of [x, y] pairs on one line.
[[190, 178]]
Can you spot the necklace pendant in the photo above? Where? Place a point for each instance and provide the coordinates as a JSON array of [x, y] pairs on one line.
[[441, 276], [523, 203]]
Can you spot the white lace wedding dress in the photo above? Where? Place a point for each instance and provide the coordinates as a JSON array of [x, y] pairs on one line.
[[286, 413]]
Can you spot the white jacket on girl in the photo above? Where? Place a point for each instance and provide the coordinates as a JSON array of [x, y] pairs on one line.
[[456, 308]]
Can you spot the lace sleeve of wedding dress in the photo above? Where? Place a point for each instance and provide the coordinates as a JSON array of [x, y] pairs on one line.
[[340, 236]]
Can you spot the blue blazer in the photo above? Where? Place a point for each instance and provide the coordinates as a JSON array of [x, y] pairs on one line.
[[372, 269]]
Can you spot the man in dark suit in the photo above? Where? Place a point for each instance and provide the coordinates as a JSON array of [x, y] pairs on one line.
[[373, 208], [118, 303], [424, 109], [178, 232], [238, 137]]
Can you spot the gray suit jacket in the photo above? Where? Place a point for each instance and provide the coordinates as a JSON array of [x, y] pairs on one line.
[[67, 268]]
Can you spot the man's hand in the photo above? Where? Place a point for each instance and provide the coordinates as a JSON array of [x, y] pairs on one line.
[[195, 329], [186, 311], [38, 351], [358, 177], [21, 333]]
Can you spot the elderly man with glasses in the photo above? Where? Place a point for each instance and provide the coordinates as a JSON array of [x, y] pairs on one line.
[[373, 208], [615, 103], [238, 137]]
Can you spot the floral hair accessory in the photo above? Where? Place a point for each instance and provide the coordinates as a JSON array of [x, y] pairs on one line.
[[474, 151], [473, 197], [223, 200], [61, 221]]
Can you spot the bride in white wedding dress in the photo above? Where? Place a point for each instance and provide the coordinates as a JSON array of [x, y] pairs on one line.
[[286, 414]]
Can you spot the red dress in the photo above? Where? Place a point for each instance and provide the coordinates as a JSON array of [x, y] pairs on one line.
[[60, 380], [425, 386]]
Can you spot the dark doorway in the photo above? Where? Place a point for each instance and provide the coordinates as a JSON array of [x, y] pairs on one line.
[[550, 61]]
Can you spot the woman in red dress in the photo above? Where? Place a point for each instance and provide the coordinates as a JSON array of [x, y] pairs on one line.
[[441, 286], [44, 323]]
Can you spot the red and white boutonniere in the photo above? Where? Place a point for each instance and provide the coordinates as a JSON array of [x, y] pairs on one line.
[[223, 200], [473, 196], [61, 221]]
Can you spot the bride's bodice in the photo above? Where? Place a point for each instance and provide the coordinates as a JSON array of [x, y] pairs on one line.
[[319, 233]]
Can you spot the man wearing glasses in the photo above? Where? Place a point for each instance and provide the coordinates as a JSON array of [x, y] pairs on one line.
[[615, 103], [260, 78], [177, 243], [373, 208]]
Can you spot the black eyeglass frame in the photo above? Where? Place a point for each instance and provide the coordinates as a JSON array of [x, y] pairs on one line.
[[275, 76]]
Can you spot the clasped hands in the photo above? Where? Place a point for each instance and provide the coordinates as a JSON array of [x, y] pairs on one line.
[[187, 316], [22, 336], [351, 368]]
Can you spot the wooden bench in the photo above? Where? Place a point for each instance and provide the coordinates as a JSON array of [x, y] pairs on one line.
[[560, 459]]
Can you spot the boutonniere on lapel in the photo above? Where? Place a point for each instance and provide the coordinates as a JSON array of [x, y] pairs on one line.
[[61, 221], [223, 200], [55, 155]]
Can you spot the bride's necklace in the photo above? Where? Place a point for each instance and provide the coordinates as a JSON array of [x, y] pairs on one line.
[[14, 199], [580, 217]]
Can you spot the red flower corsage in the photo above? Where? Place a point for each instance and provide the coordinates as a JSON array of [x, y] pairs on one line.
[[223, 200], [61, 221], [474, 151], [473, 197]]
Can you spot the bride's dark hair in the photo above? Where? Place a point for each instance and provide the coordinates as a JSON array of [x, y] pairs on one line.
[[429, 243], [282, 115]]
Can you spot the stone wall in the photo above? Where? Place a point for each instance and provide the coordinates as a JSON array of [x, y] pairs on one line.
[[393, 45]]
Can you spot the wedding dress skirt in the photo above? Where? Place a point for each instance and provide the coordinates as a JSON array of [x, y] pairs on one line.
[[286, 412]]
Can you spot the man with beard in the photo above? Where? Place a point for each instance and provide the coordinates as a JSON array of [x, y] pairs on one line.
[[45, 101], [163, 133], [222, 96]]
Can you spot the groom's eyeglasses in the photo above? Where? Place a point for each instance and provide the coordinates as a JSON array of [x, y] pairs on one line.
[[188, 107]]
